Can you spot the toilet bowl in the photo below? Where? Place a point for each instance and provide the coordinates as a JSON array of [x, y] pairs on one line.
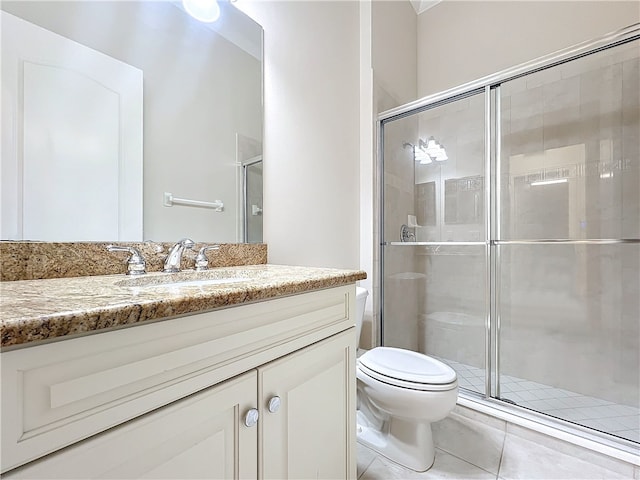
[[400, 393]]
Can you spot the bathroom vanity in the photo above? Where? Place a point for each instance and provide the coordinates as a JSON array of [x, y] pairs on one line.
[[250, 379]]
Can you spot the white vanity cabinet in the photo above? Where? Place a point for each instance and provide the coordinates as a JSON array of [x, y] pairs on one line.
[[171, 399], [311, 434], [197, 437]]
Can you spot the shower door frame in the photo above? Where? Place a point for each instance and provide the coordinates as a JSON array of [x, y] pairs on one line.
[[490, 87]]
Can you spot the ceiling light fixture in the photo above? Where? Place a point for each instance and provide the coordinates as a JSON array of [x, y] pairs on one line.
[[419, 155], [428, 151], [432, 147], [441, 155], [207, 11]]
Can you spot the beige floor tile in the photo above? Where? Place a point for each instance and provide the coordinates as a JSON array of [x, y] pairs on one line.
[[365, 457], [476, 442], [445, 467], [527, 460]]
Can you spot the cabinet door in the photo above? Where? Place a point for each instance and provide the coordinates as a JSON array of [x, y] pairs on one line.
[[312, 433], [201, 436]]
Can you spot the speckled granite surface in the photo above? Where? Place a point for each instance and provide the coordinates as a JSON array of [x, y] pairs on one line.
[[38, 260], [35, 310]]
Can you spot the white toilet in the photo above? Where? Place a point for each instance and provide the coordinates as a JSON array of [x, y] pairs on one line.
[[400, 393]]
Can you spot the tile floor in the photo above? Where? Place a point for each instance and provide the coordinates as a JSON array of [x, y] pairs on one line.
[[471, 446], [372, 466], [620, 420]]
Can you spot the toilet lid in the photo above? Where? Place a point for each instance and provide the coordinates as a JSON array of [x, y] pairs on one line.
[[408, 366]]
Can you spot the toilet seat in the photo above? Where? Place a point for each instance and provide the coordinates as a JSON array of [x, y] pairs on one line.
[[407, 369]]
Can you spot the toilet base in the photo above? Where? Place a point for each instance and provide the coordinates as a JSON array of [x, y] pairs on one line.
[[405, 442]]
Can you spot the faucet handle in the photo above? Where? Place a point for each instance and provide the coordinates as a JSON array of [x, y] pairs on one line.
[[136, 264], [202, 262]]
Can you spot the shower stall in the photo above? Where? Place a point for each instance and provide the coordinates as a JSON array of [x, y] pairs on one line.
[[510, 237]]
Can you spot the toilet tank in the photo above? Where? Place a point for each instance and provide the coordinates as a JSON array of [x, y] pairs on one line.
[[361, 301]]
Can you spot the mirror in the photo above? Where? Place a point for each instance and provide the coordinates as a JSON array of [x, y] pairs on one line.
[[199, 124]]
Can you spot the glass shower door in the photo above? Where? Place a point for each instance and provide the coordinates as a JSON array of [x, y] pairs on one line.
[[567, 281], [510, 236], [435, 240]]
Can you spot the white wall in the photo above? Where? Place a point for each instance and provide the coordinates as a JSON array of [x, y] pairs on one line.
[[329, 68], [461, 41], [368, 189], [311, 148], [394, 51]]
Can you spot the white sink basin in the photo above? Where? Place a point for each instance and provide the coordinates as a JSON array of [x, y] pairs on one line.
[[185, 279]]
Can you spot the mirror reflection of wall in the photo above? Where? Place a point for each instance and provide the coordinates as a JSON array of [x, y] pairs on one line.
[[426, 204], [464, 200], [201, 91], [458, 192], [72, 159], [541, 203], [546, 193]]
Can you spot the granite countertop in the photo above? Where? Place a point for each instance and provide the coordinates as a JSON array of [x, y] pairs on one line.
[[36, 310]]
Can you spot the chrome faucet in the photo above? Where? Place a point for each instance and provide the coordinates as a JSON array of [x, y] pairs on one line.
[[136, 264], [172, 262]]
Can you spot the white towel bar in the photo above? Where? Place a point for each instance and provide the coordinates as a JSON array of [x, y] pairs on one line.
[[170, 200]]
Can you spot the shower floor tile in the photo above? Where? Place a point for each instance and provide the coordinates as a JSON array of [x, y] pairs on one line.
[[620, 420]]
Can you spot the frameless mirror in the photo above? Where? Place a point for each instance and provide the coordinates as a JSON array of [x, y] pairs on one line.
[[130, 121]]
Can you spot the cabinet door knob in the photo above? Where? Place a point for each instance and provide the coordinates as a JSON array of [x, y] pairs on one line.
[[251, 418], [274, 404]]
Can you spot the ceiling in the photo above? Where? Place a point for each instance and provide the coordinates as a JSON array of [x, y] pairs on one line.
[[422, 5]]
